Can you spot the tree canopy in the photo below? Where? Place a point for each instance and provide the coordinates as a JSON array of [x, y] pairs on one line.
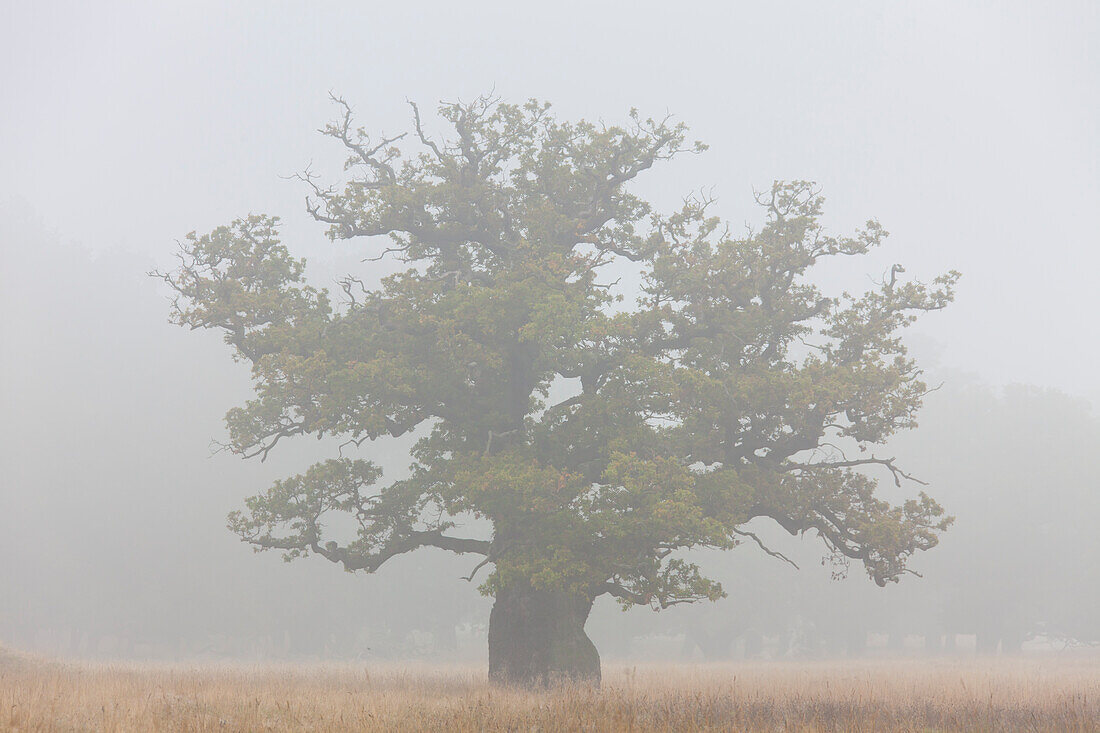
[[724, 393]]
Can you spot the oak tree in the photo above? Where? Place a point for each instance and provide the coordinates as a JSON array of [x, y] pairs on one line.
[[722, 393]]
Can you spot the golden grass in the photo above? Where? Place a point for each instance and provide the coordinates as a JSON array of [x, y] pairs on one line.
[[1040, 694]]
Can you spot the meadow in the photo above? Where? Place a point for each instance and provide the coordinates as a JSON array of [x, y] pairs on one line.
[[1037, 693]]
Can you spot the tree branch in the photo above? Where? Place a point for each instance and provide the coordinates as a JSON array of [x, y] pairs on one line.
[[760, 543], [897, 473], [397, 546]]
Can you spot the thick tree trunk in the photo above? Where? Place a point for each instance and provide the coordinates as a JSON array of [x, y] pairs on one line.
[[536, 637]]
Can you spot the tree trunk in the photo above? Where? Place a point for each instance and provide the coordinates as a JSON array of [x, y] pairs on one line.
[[536, 637]]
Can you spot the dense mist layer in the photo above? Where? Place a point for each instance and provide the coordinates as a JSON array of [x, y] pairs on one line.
[[120, 548], [969, 132]]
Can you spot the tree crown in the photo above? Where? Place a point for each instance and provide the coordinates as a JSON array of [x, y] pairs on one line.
[[720, 397]]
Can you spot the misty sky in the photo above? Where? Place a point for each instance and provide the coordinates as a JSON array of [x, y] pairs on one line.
[[968, 129]]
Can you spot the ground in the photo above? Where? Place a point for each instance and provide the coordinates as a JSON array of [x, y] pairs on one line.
[[1039, 693]]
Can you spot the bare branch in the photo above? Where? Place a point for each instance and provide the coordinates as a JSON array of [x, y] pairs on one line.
[[424, 138], [469, 578], [897, 473], [760, 543]]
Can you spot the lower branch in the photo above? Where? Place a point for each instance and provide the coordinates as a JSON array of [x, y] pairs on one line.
[[398, 545]]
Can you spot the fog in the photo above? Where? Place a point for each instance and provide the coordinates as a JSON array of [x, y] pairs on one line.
[[968, 129]]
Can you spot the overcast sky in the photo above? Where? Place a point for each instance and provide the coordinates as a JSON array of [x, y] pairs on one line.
[[968, 129]]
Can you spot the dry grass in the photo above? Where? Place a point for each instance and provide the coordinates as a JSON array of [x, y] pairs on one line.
[[1040, 694]]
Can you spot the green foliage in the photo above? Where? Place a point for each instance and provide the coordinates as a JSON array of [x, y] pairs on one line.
[[717, 399]]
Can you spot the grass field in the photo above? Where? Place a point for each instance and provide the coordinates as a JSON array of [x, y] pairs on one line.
[[1038, 693]]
